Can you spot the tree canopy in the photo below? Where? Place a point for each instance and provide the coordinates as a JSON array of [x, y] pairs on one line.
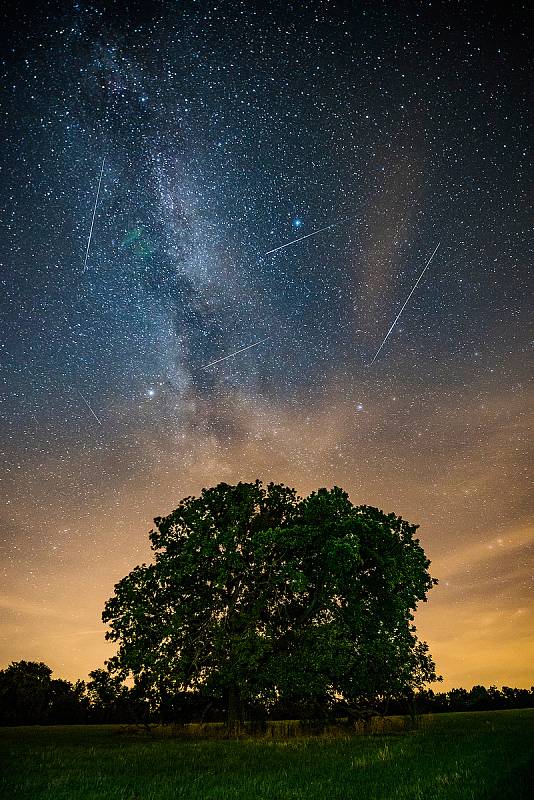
[[257, 594], [29, 695]]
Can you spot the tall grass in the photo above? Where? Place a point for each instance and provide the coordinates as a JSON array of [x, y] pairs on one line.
[[462, 756]]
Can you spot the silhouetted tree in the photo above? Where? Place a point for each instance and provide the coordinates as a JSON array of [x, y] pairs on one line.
[[30, 696], [25, 693], [112, 701], [256, 594], [68, 703]]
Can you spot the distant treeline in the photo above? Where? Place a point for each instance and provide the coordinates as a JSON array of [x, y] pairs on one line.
[[29, 695], [479, 698]]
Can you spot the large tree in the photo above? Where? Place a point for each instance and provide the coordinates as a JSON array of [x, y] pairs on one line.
[[256, 594]]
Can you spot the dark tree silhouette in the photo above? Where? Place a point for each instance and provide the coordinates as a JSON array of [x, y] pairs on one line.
[[29, 696], [24, 692], [256, 594]]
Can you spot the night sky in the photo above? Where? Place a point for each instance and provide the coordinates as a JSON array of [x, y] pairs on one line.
[[219, 132]]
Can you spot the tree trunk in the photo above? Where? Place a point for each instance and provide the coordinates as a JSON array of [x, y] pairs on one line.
[[412, 708], [235, 711]]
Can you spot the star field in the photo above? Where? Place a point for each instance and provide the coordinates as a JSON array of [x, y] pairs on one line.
[[221, 132]]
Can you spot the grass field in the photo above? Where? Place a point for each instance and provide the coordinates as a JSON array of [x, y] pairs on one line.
[[486, 755]]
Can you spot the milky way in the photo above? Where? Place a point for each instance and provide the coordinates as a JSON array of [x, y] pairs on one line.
[[222, 130]]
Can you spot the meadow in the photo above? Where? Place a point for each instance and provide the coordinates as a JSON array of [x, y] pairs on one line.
[[463, 756]]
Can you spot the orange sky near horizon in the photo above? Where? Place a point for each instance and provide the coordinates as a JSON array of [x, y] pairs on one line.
[[478, 621]]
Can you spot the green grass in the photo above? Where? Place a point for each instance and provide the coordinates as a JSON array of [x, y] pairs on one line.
[[462, 756]]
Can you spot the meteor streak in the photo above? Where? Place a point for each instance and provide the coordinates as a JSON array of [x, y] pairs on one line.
[[94, 215], [294, 241], [88, 406], [405, 303], [231, 355]]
